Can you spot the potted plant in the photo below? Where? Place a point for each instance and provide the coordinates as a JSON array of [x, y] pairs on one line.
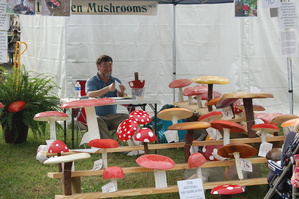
[[24, 96]]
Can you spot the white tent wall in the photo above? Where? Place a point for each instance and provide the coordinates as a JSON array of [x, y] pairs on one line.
[[209, 41]]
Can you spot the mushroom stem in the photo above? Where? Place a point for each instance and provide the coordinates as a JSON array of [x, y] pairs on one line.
[[181, 98], [238, 165], [52, 129], [264, 136], [188, 144], [160, 178], [190, 100], [198, 172], [226, 138], [198, 100], [114, 182], [210, 95], [146, 151], [174, 120], [92, 123], [67, 178], [104, 158]]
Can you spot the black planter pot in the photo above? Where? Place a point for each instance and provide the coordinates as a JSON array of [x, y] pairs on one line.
[[17, 134]]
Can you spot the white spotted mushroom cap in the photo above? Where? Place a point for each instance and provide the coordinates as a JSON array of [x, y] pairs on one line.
[[210, 152], [227, 189], [145, 135], [127, 129], [57, 146], [141, 117]]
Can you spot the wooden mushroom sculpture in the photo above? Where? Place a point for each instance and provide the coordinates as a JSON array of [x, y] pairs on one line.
[[92, 123], [237, 151], [227, 127], [51, 117], [180, 84], [227, 190], [248, 107], [145, 135], [141, 117], [113, 173], [67, 170], [195, 160], [196, 91], [264, 129], [103, 144], [210, 80], [127, 129], [189, 126], [174, 115], [160, 164]]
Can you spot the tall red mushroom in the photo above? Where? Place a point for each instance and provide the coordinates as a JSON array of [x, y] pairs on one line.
[[180, 84], [145, 135]]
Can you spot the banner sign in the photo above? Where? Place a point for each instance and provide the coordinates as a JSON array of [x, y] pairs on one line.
[[96, 7]]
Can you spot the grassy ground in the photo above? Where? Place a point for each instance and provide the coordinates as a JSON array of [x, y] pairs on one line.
[[21, 176]]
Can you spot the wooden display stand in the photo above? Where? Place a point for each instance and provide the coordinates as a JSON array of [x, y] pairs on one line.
[[76, 175]]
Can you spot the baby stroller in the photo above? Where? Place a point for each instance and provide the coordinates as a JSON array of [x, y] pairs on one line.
[[279, 177]]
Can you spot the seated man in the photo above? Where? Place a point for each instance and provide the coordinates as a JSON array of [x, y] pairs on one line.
[[103, 85]]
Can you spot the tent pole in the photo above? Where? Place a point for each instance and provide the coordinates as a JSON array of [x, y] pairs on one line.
[[174, 49], [290, 80]]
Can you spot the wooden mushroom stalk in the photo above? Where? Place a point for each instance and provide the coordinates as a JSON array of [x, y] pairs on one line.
[[227, 190], [174, 115], [210, 80], [51, 117], [103, 144], [248, 107], [195, 160], [92, 123], [180, 84], [237, 151], [67, 170], [189, 126], [160, 164], [113, 173], [264, 129], [227, 127], [145, 135]]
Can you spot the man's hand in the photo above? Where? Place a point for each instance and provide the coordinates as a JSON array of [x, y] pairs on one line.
[[111, 87]]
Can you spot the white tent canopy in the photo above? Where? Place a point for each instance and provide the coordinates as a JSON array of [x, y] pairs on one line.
[[209, 41]]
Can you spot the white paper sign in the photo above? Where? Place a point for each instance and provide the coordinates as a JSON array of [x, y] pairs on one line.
[[191, 189], [97, 165], [246, 165], [271, 3], [85, 138], [289, 44], [171, 136], [108, 188], [264, 148], [288, 15], [3, 47]]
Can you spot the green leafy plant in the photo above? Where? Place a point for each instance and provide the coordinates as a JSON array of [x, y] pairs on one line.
[[24, 96]]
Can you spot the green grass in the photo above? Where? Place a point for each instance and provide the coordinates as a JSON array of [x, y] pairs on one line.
[[23, 177]]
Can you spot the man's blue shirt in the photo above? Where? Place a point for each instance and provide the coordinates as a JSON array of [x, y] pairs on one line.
[[95, 83]]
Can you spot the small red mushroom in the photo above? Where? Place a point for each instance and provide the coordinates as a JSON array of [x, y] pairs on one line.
[[126, 129], [180, 84], [113, 173], [227, 189], [145, 135], [141, 117], [103, 144], [195, 91], [16, 106], [160, 164], [58, 146], [264, 128], [195, 160]]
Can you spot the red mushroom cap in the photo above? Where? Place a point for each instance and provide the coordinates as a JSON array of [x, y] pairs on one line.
[[155, 161], [196, 160], [214, 115], [227, 189], [113, 172], [179, 83], [1, 105], [57, 146], [210, 152], [233, 126], [195, 90], [267, 117], [141, 117], [45, 116], [145, 135], [88, 103], [265, 127], [126, 129], [103, 143], [16, 106], [216, 94]]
